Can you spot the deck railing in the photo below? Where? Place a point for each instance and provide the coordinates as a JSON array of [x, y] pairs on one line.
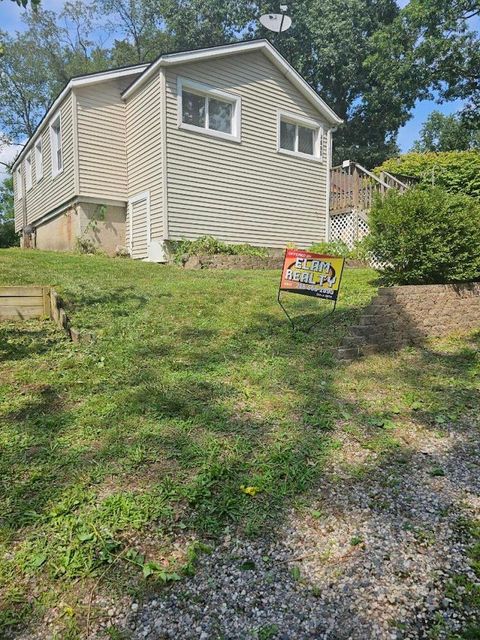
[[354, 187]]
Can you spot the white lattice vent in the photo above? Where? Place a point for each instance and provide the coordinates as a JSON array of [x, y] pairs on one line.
[[350, 228]]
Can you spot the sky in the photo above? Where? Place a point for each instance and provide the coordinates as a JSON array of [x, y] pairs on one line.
[[10, 21]]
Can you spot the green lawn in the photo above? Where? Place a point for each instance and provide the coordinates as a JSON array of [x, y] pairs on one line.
[[120, 459]]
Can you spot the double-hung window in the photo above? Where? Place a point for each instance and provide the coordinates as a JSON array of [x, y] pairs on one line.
[[299, 136], [56, 146], [208, 110], [38, 160], [28, 172]]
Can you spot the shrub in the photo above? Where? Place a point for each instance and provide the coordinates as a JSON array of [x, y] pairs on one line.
[[208, 245], [334, 248], [455, 171], [426, 236]]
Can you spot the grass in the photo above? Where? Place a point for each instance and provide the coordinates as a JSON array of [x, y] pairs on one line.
[[196, 410]]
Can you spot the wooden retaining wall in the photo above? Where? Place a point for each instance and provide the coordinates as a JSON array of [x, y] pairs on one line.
[[24, 303]]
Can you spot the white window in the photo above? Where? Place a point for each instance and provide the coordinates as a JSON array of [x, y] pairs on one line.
[[56, 146], [208, 110], [28, 171], [38, 160], [299, 136], [18, 182]]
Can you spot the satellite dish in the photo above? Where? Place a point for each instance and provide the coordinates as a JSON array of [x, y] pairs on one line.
[[277, 22]]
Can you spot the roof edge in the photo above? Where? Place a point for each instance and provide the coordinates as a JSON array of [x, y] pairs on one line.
[[78, 81], [263, 44]]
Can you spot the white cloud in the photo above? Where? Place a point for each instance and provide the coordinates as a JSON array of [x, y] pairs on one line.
[[8, 154]]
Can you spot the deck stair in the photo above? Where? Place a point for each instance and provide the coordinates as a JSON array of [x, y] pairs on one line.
[[352, 192]]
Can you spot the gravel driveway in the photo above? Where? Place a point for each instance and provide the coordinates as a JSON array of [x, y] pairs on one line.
[[371, 557]]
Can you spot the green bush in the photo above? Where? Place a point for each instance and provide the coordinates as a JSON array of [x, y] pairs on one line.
[[210, 246], [8, 237], [426, 236], [334, 248], [455, 171]]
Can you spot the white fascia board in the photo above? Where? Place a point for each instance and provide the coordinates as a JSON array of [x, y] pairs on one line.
[[241, 47], [82, 81]]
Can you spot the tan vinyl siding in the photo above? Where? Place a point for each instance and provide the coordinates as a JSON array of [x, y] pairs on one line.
[[102, 139], [138, 211], [144, 152], [17, 202], [244, 192], [51, 192]]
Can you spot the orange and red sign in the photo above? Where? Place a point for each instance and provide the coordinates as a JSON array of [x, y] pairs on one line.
[[312, 274]]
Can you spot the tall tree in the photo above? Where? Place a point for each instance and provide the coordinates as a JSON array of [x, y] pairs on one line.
[[430, 50], [8, 237], [446, 133], [36, 64]]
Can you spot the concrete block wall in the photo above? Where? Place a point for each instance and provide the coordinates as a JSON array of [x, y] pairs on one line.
[[401, 316]]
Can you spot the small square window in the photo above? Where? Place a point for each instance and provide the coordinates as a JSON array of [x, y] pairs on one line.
[[208, 110], [299, 137]]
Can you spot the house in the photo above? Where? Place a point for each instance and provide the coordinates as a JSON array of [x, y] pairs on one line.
[[228, 141]]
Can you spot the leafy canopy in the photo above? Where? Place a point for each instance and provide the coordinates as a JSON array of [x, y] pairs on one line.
[[369, 59], [447, 133], [455, 171]]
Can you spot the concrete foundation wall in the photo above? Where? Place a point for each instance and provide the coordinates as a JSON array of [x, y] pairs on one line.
[[59, 233], [104, 225], [401, 316]]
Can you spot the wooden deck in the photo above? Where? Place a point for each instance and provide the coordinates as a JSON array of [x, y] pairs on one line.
[[352, 187]]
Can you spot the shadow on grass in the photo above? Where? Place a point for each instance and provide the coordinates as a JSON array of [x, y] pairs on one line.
[[253, 406]]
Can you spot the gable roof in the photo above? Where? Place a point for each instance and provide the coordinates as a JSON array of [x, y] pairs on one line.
[[78, 81], [248, 46], [196, 55]]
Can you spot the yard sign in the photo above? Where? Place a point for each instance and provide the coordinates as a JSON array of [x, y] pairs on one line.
[[311, 274]]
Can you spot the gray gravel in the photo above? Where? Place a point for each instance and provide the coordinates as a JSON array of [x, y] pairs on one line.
[[370, 558]]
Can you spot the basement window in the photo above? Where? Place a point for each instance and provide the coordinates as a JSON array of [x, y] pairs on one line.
[[208, 110], [56, 146], [299, 137]]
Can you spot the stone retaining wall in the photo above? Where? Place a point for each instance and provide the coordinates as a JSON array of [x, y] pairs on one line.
[[225, 261], [401, 316]]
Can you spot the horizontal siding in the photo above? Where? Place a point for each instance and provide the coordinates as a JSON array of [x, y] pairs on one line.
[[50, 193], [139, 245], [144, 153], [245, 192], [102, 139]]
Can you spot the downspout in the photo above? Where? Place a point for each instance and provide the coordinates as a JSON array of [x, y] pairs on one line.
[[329, 174]]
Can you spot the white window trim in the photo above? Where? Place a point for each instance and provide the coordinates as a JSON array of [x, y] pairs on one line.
[[144, 195], [208, 90], [28, 172], [55, 171], [303, 122], [38, 160], [19, 182]]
